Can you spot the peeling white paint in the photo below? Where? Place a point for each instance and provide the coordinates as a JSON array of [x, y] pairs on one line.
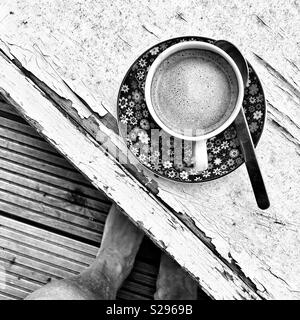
[[121, 187], [225, 209]]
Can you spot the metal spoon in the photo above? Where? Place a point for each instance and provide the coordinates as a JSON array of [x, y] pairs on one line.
[[243, 132]]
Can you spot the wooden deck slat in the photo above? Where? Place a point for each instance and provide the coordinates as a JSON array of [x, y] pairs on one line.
[[146, 268], [43, 161], [33, 257], [44, 197], [125, 295], [48, 251], [52, 259], [86, 250], [20, 168], [40, 261], [42, 271], [36, 275], [13, 239], [59, 195], [14, 284], [4, 296], [75, 248], [50, 202], [13, 294], [128, 292], [19, 258], [25, 145], [14, 289], [7, 132], [128, 295], [144, 279], [41, 209], [138, 288], [9, 109], [22, 128], [20, 282], [27, 252], [57, 256], [35, 216]]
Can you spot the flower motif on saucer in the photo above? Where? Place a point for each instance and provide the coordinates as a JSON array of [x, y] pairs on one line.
[[171, 157]]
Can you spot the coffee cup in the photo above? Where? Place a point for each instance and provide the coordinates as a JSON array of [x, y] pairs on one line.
[[194, 90]]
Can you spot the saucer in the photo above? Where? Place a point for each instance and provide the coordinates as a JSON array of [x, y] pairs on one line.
[[135, 124]]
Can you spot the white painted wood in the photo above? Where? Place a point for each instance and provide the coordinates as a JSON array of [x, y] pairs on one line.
[[65, 90], [107, 175], [94, 44]]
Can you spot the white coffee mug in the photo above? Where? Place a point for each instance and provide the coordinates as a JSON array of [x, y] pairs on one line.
[[199, 147]]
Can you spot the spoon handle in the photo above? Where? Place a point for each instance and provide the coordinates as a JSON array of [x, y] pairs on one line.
[[252, 166]]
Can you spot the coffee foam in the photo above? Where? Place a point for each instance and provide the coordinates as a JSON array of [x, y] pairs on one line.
[[194, 91]]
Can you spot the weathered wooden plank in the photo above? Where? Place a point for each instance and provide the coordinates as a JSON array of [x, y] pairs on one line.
[[142, 278], [40, 209], [12, 163], [33, 252], [235, 229], [14, 293], [125, 295], [40, 261], [44, 150], [11, 110], [67, 92], [25, 129], [29, 286], [4, 296], [50, 202], [145, 210], [86, 250], [28, 272], [140, 289], [48, 220], [56, 196], [35, 158]]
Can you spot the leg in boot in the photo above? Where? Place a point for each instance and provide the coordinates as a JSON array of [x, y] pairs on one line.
[[173, 283], [114, 261]]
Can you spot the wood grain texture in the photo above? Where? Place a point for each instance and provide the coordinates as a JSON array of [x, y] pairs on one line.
[[31, 257], [144, 209], [85, 42]]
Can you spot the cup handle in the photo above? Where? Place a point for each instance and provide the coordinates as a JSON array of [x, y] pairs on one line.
[[200, 155]]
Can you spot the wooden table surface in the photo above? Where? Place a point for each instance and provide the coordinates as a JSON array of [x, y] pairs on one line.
[[61, 65]]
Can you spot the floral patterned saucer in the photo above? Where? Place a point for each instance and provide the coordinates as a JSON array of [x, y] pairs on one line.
[[136, 123]]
